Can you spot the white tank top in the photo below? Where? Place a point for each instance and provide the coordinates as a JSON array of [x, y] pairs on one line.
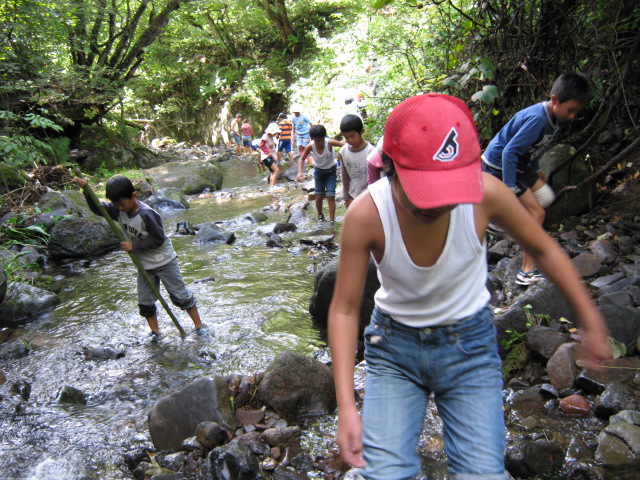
[[450, 290], [327, 159]]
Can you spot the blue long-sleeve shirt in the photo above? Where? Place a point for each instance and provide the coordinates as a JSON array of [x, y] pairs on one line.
[[516, 144]]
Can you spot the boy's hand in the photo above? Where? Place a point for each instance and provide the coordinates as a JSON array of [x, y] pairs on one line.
[[349, 437], [299, 178], [594, 347], [127, 246], [82, 182]]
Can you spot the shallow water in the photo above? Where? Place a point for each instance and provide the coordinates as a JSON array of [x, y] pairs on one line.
[[254, 300]]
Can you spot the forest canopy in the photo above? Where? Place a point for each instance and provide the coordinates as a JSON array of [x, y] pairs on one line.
[[183, 67]]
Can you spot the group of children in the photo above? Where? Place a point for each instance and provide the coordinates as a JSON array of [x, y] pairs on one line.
[[424, 225]]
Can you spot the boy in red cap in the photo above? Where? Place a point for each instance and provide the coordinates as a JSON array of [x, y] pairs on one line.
[[432, 330]]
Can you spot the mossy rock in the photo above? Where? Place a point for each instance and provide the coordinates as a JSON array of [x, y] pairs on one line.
[[11, 178]]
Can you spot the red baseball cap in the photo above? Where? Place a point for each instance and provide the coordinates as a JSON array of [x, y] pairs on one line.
[[433, 142]]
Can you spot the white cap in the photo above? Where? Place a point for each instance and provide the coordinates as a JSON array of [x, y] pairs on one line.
[[296, 108], [272, 128]]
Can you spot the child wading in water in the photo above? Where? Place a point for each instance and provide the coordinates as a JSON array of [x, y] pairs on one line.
[[144, 233], [325, 171], [431, 330]]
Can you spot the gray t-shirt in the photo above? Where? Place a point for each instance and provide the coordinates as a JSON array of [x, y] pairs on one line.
[[354, 170]]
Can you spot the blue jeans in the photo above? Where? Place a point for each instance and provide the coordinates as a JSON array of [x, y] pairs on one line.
[[325, 181], [460, 365]]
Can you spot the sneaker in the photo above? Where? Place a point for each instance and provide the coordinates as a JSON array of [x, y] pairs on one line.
[[321, 217], [529, 278], [202, 331], [154, 336], [494, 229]]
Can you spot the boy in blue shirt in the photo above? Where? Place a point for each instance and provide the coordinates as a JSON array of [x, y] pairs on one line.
[[511, 156], [301, 125], [144, 233]]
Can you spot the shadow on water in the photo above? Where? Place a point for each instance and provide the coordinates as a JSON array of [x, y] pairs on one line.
[[253, 299]]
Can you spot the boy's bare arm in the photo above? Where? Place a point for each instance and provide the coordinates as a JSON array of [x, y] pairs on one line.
[[503, 206], [344, 315]]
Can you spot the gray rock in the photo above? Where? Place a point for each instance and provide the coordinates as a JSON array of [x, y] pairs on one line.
[[161, 203], [619, 445], [544, 340], [625, 244], [621, 299], [298, 387], [66, 202], [606, 280], [72, 395], [82, 237], [561, 367], [587, 264], [545, 299], [604, 251], [615, 398], [533, 459], [175, 417], [234, 461], [323, 293], [190, 177], [623, 324], [513, 320], [210, 233], [625, 416], [615, 371], [25, 301], [3, 282], [211, 435]]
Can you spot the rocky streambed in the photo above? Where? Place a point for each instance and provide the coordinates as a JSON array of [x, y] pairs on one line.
[[84, 394]]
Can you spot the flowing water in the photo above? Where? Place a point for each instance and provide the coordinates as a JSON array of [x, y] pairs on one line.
[[254, 300]]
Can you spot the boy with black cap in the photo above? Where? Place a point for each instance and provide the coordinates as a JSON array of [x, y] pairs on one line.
[[431, 330]]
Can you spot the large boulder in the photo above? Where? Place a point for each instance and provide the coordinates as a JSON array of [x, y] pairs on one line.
[[297, 387], [323, 293], [67, 202], [23, 301], [571, 203], [176, 416], [190, 177], [82, 237]]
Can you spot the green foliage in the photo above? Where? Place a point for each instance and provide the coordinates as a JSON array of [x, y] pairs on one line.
[[16, 269], [20, 231]]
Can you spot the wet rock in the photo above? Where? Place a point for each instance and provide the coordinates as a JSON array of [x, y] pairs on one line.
[[161, 201], [22, 388], [211, 435], [561, 367], [619, 445], [317, 240], [190, 177], [587, 264], [575, 406], [175, 417], [532, 459], [82, 237], [210, 232], [249, 417], [258, 217], [526, 402], [72, 395], [323, 293], [14, 349], [101, 353], [499, 250], [297, 386], [298, 216], [544, 340], [614, 371], [284, 227], [627, 416], [615, 398], [24, 301], [255, 442], [234, 461], [286, 438], [625, 244]]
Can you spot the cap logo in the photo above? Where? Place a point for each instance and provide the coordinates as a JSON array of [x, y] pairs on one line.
[[449, 149]]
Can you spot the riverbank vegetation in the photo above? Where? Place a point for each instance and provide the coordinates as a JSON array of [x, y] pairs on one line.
[[86, 74]]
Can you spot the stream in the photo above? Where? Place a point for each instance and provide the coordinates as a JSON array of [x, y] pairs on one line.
[[253, 299]]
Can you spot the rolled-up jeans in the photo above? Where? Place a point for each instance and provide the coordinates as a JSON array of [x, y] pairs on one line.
[[460, 364]]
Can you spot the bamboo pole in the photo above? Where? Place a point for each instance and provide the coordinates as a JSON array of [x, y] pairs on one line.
[[118, 232]]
